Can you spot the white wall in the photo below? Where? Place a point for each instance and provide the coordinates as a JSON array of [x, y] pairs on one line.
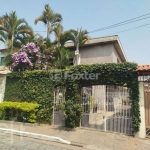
[[142, 132], [2, 87], [97, 54], [102, 53], [115, 56]]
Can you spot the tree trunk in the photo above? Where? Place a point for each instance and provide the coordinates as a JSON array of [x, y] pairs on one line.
[[48, 26], [12, 41], [47, 32]]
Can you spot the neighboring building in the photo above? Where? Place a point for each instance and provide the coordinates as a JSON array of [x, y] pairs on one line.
[[144, 100], [2, 57], [100, 50], [3, 72]]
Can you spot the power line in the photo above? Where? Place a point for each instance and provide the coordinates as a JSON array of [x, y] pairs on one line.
[[124, 30], [131, 29], [117, 24], [122, 23], [39, 31]]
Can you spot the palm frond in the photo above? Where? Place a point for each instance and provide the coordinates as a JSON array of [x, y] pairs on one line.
[[1, 21], [55, 18], [3, 28], [49, 18], [24, 29], [12, 29], [58, 30], [3, 36], [20, 22], [42, 19], [83, 37]]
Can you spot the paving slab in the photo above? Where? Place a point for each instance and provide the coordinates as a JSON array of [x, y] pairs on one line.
[[91, 139]]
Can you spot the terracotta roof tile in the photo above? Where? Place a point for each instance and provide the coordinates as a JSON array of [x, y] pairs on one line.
[[143, 68]]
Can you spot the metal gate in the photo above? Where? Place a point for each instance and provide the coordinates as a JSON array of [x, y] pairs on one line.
[[107, 108], [147, 106], [59, 99]]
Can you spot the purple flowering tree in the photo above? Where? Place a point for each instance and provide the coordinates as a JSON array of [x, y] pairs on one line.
[[47, 50], [38, 55], [26, 58]]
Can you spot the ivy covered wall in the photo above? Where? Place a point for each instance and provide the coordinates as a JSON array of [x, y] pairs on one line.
[[38, 86]]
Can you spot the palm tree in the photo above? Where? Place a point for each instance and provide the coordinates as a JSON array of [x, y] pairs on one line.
[[61, 37], [27, 39], [78, 36], [49, 18], [58, 30], [13, 29]]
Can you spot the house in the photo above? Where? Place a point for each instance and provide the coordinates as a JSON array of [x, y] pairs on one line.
[[108, 102], [2, 57], [144, 97], [100, 50]]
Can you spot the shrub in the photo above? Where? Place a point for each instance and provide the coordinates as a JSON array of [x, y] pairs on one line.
[[22, 111], [73, 114], [44, 115]]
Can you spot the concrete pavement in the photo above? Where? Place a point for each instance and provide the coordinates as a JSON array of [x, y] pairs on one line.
[[17, 143], [86, 138]]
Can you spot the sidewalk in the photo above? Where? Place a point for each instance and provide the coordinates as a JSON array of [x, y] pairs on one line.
[[92, 139]]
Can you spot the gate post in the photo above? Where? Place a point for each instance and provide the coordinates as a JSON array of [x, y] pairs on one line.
[[142, 131]]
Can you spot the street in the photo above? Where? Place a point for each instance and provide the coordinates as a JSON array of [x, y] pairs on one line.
[[13, 142]]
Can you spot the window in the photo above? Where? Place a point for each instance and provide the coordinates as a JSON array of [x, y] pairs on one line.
[[2, 61]]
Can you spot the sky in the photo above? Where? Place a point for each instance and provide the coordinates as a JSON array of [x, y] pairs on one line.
[[92, 15]]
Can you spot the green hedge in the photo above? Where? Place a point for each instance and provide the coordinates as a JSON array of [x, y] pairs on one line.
[[22, 111], [38, 86], [73, 114], [33, 86]]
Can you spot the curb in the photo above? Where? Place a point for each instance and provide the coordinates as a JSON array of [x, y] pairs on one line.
[[35, 135], [21, 123]]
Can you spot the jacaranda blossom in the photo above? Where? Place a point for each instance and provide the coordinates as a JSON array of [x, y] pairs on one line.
[[20, 57], [27, 55]]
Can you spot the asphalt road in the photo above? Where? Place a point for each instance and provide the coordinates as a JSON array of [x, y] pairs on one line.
[[13, 142]]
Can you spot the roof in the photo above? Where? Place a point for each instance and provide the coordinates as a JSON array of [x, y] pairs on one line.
[[109, 39], [143, 68]]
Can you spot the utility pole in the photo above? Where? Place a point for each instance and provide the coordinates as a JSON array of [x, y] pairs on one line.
[[77, 55]]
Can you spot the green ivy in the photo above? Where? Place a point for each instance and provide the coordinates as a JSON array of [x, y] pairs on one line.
[[73, 114], [38, 86]]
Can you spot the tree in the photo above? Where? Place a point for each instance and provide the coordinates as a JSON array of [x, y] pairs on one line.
[[61, 37], [46, 53], [62, 57], [13, 29], [58, 30], [26, 57], [49, 18], [82, 36]]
